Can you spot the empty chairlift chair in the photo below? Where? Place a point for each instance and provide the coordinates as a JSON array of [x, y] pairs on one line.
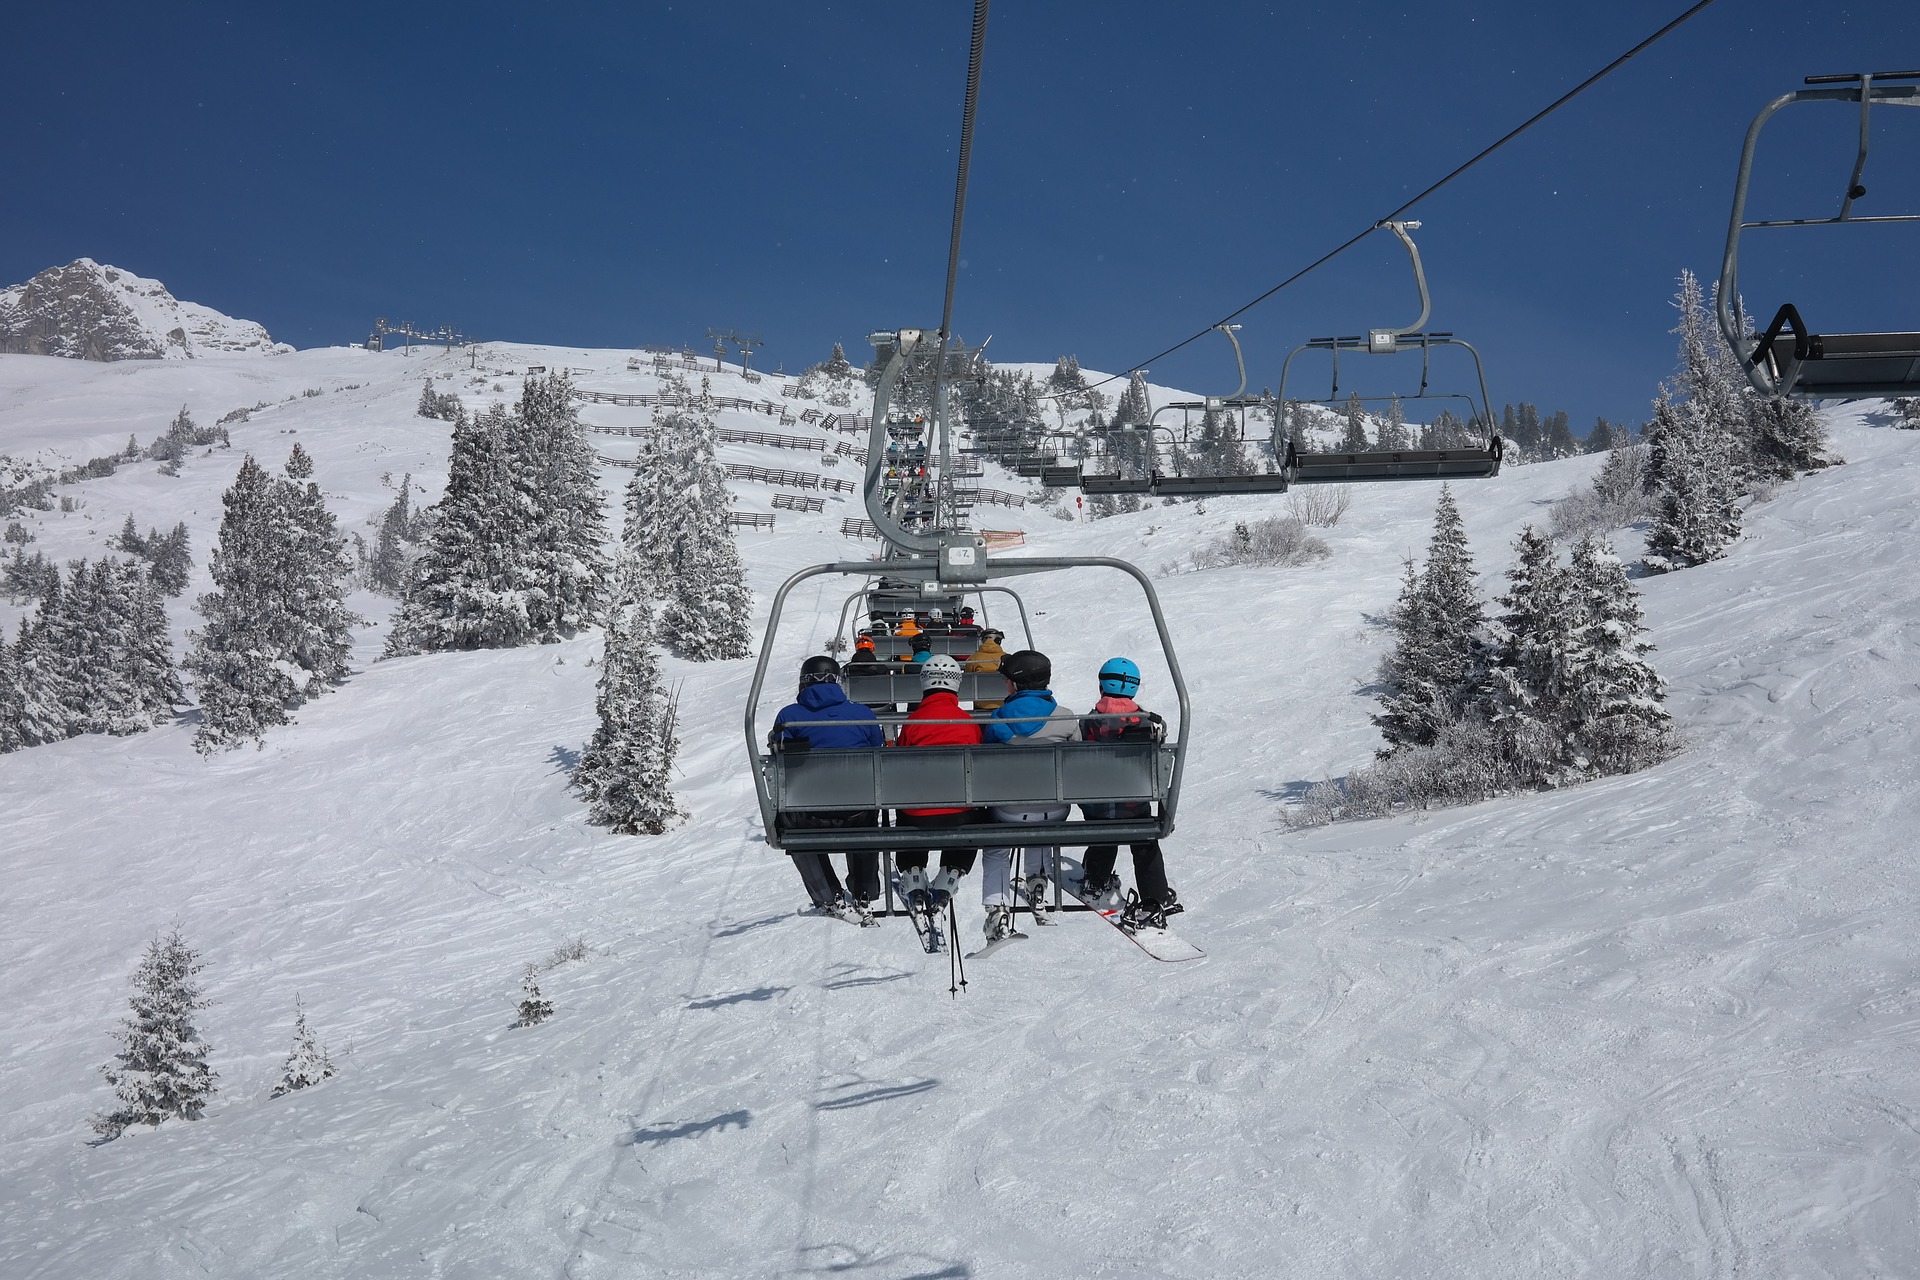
[[1789, 358]]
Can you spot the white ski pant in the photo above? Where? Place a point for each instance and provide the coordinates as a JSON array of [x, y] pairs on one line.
[[995, 880]]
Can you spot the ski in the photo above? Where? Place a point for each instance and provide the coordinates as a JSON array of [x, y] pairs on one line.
[[925, 919], [1162, 944], [994, 946]]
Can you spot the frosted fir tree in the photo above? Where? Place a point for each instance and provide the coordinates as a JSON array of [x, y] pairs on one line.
[[626, 772], [110, 637], [708, 615], [1393, 432], [1906, 413], [1785, 437], [1615, 714], [1354, 437], [660, 513], [1437, 652], [566, 568], [468, 587], [307, 1062], [161, 1071], [1697, 497], [170, 559], [534, 1007], [316, 570], [837, 366], [11, 738], [237, 660], [1525, 690]]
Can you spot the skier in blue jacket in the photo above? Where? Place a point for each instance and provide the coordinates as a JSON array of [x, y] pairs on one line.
[[823, 720], [1031, 715]]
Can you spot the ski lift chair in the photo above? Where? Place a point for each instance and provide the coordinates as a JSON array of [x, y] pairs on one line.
[[949, 564], [1789, 358]]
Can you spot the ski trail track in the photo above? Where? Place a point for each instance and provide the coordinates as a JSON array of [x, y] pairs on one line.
[[1653, 1026]]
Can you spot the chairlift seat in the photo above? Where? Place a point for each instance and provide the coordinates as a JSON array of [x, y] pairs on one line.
[[1394, 464], [1070, 773], [1116, 484], [907, 646], [1837, 365], [1208, 486]]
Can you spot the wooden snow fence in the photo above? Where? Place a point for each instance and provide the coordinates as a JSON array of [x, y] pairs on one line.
[[852, 424], [1001, 539], [837, 486], [805, 444], [859, 529], [798, 502], [770, 475], [846, 450], [749, 520], [994, 497], [631, 464]]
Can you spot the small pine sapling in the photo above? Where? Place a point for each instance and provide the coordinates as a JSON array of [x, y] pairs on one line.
[[534, 1007], [307, 1063], [161, 1070]]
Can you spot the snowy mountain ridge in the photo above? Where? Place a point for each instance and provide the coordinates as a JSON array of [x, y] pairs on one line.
[[87, 310]]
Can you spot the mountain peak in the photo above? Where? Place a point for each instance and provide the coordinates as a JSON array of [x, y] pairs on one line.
[[89, 310]]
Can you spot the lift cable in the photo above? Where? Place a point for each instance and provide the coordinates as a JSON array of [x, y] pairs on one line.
[[966, 155], [1335, 252]]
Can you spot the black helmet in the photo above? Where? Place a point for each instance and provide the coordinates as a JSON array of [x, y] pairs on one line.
[[1028, 669], [821, 669]]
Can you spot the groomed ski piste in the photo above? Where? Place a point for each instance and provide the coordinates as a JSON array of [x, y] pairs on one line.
[[1657, 1025]]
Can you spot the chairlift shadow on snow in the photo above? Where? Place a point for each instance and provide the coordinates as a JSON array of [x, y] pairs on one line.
[[758, 994], [667, 1131], [846, 1260], [884, 1093], [748, 926]]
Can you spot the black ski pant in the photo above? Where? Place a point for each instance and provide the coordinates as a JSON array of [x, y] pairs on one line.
[[816, 869], [960, 861]]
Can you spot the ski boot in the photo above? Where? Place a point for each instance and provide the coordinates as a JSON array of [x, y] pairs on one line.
[[911, 884], [857, 911], [943, 886], [999, 923], [1035, 890]]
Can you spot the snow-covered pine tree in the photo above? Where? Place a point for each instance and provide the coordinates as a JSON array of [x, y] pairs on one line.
[[838, 367], [161, 1071], [1435, 663], [151, 674], [236, 658], [1525, 690], [11, 739], [710, 613], [46, 691], [1697, 500], [1393, 432], [171, 559], [1785, 437], [1616, 720], [429, 406], [307, 1062], [129, 540], [1354, 439], [566, 568], [534, 1007], [1906, 413], [659, 510], [467, 590], [626, 772], [316, 571]]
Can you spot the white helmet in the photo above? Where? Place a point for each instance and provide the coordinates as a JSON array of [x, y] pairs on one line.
[[940, 672]]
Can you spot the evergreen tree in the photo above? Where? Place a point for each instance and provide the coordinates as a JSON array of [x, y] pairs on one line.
[[236, 658], [1355, 438], [659, 516], [161, 1071], [1697, 513], [45, 694], [565, 571], [1526, 687], [625, 773], [1394, 433], [1436, 622], [534, 1007], [1615, 714], [1558, 440], [466, 589], [170, 558], [307, 1063], [838, 367], [11, 738], [1785, 437], [318, 626], [129, 539], [709, 615]]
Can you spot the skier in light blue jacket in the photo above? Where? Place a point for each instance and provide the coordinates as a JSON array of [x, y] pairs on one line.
[[1030, 715]]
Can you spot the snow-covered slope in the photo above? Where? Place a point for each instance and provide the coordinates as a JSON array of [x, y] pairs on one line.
[[1660, 1025], [89, 311]]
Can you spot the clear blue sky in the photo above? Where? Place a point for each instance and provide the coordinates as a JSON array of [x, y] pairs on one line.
[[620, 174]]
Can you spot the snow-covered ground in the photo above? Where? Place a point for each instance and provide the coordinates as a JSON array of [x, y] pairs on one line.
[[1655, 1026]]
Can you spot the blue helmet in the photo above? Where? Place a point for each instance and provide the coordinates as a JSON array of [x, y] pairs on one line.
[[1119, 678]]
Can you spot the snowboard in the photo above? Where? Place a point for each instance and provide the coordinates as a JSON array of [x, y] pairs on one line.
[[1162, 944]]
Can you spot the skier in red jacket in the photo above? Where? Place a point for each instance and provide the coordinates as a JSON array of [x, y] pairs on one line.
[[938, 721]]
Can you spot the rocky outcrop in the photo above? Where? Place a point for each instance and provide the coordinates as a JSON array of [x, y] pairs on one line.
[[88, 311]]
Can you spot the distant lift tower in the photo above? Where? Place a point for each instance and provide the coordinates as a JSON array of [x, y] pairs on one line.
[[745, 341]]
